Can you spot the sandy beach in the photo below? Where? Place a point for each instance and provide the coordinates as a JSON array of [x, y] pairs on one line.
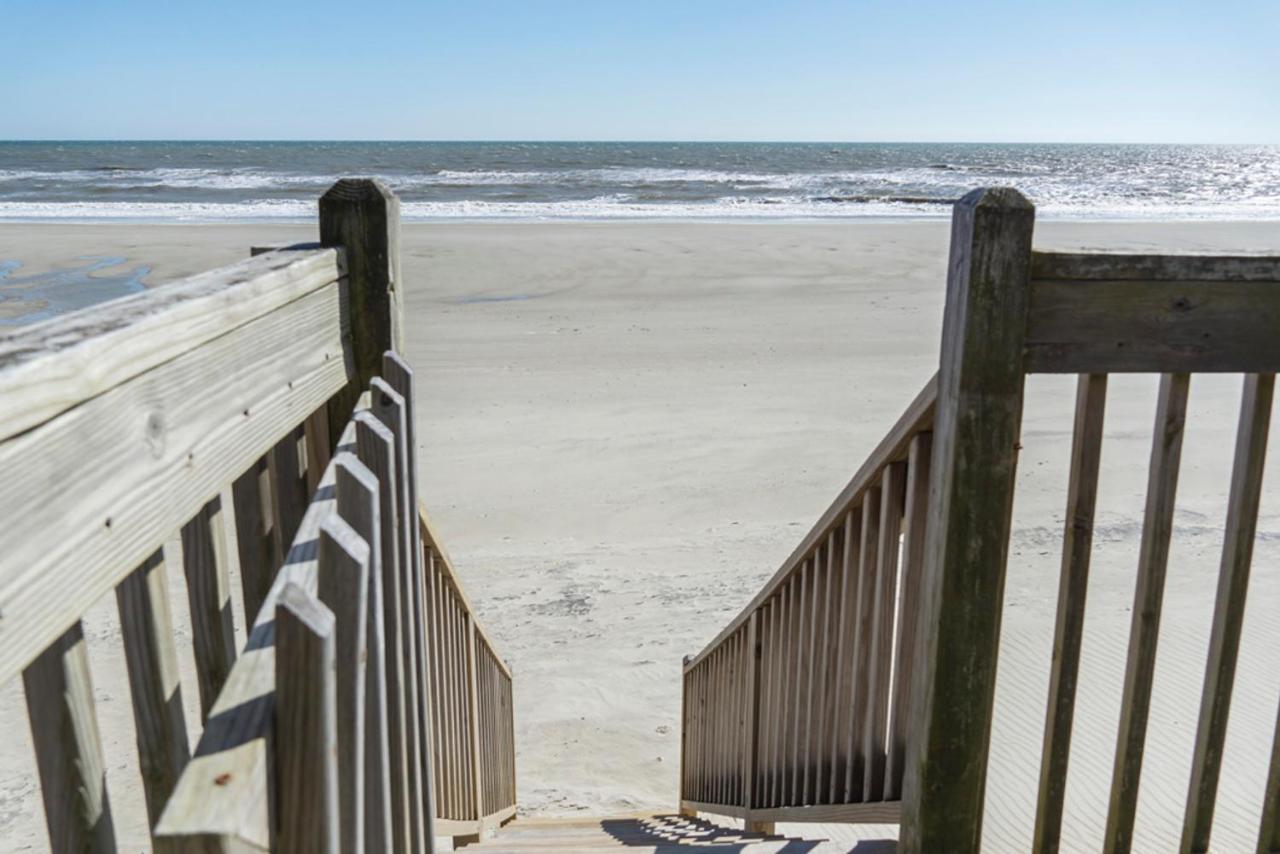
[[626, 427]]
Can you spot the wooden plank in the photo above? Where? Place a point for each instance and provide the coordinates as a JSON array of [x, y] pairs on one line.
[[825, 736], [804, 582], [342, 587], [155, 688], [288, 492], [813, 697], [1228, 612], [306, 725], [918, 416], [979, 408], [356, 490], [1171, 326], [253, 538], [48, 368], [1073, 585], [879, 651], [846, 632], [877, 813], [1150, 268], [145, 457], [68, 747], [915, 518], [375, 446], [319, 447], [860, 654], [389, 407], [221, 801], [473, 719], [204, 561], [751, 729], [1144, 631]]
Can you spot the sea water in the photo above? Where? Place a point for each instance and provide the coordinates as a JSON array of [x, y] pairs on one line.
[[210, 181]]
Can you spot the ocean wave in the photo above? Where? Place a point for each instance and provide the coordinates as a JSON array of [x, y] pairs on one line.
[[619, 206]]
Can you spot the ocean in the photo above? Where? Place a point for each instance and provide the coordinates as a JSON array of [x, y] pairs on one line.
[[214, 181]]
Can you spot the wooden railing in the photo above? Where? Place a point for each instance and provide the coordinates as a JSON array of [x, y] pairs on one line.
[[212, 407], [781, 707], [795, 711]]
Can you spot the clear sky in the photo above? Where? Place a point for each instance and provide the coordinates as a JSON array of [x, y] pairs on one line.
[[913, 70]]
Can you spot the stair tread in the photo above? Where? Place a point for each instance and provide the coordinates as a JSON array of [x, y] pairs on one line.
[[639, 834]]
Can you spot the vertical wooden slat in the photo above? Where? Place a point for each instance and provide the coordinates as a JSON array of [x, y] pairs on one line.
[[343, 583], [315, 432], [390, 408], [154, 684], [825, 735], [914, 521], [811, 695], [375, 447], [767, 724], [976, 431], [306, 726], [875, 735], [1153, 558], [431, 575], [845, 634], [356, 490], [797, 729], [253, 536], [477, 784], [204, 560], [1082, 489], [288, 493], [868, 565], [68, 747], [1228, 613]]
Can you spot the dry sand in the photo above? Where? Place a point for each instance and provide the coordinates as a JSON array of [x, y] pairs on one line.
[[626, 427]]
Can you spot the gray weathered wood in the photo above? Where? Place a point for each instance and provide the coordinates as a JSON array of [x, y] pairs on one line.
[[319, 447], [363, 217], [1144, 632], [915, 517], [880, 651], [253, 539], [377, 450], [473, 718], [1228, 613], [1121, 266], [860, 653], [357, 502], [222, 798], [306, 725], [204, 561], [389, 407], [47, 368], [1164, 326], [1073, 585], [68, 747], [342, 586], [154, 685], [288, 492], [979, 409], [144, 457]]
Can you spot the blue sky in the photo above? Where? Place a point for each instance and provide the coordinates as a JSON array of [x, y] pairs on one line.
[[965, 70]]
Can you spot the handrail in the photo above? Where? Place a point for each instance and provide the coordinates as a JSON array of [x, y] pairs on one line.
[[794, 712], [917, 416]]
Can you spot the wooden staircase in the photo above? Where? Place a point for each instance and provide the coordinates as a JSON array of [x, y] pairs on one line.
[[646, 833]]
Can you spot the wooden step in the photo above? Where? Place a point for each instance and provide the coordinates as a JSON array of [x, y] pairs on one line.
[[647, 833]]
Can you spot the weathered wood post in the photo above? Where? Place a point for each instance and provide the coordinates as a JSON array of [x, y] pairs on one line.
[[363, 216], [975, 453]]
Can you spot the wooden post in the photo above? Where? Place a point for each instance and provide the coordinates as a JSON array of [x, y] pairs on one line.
[[363, 216], [357, 497], [306, 725], [253, 540], [979, 414], [68, 748], [343, 581]]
